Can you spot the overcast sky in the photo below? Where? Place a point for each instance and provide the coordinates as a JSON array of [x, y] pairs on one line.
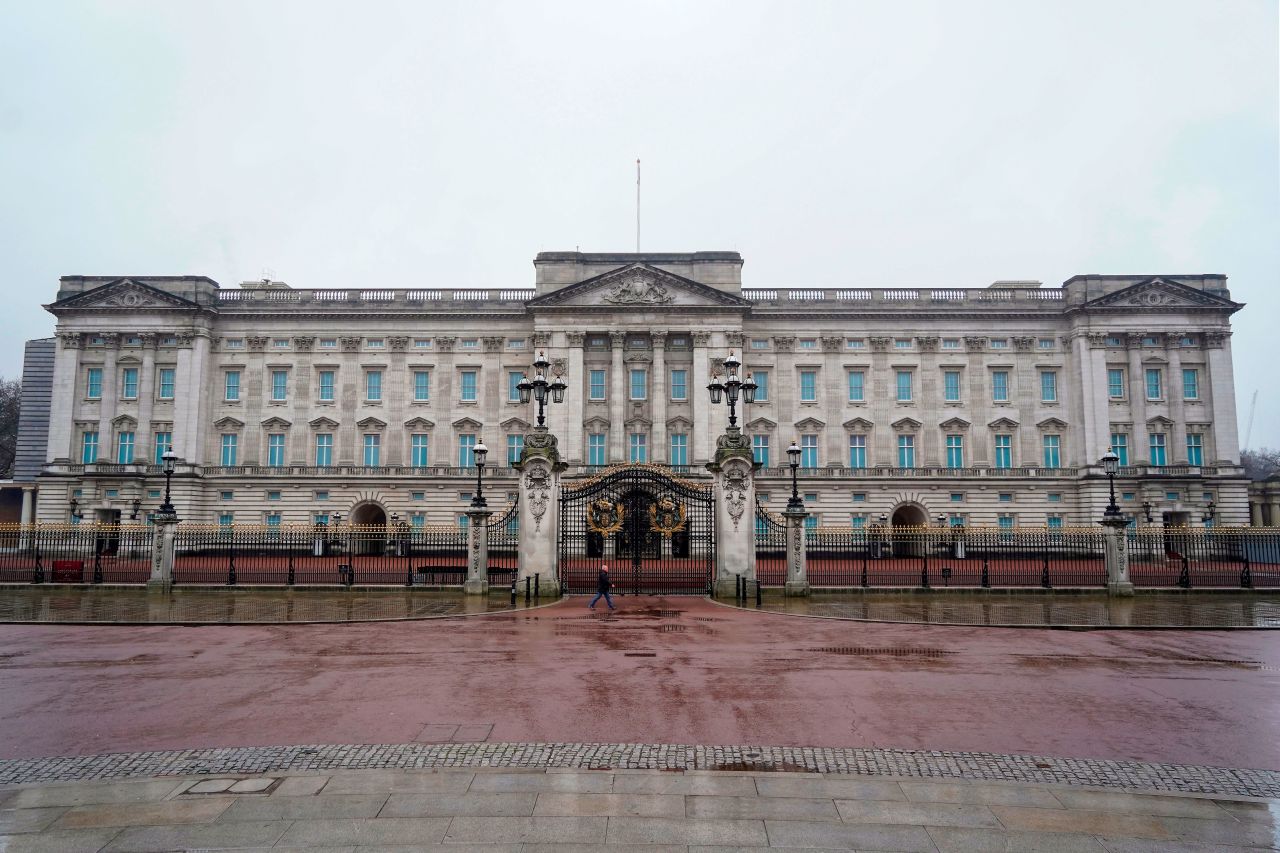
[[849, 143]]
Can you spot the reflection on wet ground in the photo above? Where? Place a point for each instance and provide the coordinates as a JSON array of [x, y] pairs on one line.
[[236, 606], [1153, 610]]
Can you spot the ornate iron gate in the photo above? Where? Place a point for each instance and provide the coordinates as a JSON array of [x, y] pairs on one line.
[[656, 533]]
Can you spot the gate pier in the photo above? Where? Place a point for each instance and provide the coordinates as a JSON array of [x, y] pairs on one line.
[[734, 467], [539, 503], [477, 582]]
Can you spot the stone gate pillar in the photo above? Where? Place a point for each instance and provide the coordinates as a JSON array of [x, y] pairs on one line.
[[163, 547], [797, 566], [540, 469], [477, 582], [735, 497], [1115, 547]]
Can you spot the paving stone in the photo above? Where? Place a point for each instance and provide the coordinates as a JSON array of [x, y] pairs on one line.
[[660, 830], [58, 841], [916, 814], [1232, 831], [93, 792], [204, 810], [160, 839], [303, 808], [973, 792], [365, 831], [1114, 801], [957, 839], [398, 781], [541, 830], [674, 783], [1252, 811], [851, 789], [845, 836], [472, 733], [1076, 820], [617, 805], [1146, 845], [300, 786], [761, 808], [252, 786], [609, 848], [450, 805], [28, 820], [211, 786], [581, 783]]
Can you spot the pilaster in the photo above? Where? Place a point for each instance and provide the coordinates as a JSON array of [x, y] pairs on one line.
[[539, 507], [477, 582], [617, 399], [735, 495], [797, 564], [1115, 552]]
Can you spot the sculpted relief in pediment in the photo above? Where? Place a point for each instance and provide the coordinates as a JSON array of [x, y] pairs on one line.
[[637, 287]]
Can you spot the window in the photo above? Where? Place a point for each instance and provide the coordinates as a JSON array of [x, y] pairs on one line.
[[639, 452], [515, 343], [904, 386], [680, 449], [1190, 383], [859, 497], [999, 343], [951, 343], [906, 451], [855, 343], [1120, 446], [419, 496], [902, 343], [760, 449], [1004, 451], [166, 383], [759, 343], [279, 385], [372, 449], [422, 343], [1054, 497], [418, 521], [93, 383], [596, 386], [1156, 444], [275, 450], [956, 519], [322, 495], [129, 383], [422, 386], [639, 384], [1115, 383], [469, 343], [113, 493], [164, 443], [808, 386], [226, 519], [808, 451], [1048, 386], [420, 450], [951, 386], [227, 496], [326, 386], [373, 385], [955, 451], [957, 497], [89, 447], [513, 385], [1187, 341], [1000, 386], [1172, 497], [762, 383], [595, 449], [857, 386], [1150, 341], [1045, 343], [230, 444], [1054, 521], [1005, 497], [273, 525], [1052, 445], [464, 520], [324, 449], [320, 519], [124, 447], [234, 343], [466, 450], [1195, 449], [515, 446], [807, 343], [469, 386], [680, 385], [280, 343], [1154, 383], [373, 343], [857, 451]]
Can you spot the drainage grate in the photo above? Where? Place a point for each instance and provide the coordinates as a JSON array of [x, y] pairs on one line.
[[888, 651], [639, 654], [673, 629], [669, 614]]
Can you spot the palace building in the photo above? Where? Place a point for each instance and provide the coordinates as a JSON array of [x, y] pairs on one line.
[[982, 405]]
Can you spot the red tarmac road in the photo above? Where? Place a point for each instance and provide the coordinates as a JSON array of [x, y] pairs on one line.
[[707, 674]]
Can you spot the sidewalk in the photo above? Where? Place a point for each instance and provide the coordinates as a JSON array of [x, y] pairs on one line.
[[655, 811]]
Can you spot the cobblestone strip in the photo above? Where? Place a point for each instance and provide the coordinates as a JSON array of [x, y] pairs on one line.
[[1182, 778]]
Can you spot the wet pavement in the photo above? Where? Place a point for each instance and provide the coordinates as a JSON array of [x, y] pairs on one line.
[[1146, 610], [223, 606], [661, 670]]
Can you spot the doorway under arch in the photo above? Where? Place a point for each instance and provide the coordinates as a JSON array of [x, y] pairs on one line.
[[368, 540], [908, 515], [908, 542]]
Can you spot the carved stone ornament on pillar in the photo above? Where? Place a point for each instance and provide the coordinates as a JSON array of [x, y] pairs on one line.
[[797, 566], [538, 508], [1116, 553], [735, 531], [477, 582]]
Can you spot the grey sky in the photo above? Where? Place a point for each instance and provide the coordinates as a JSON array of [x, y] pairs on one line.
[[871, 144]]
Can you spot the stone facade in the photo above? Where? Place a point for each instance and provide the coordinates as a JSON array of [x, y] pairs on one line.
[[989, 405]]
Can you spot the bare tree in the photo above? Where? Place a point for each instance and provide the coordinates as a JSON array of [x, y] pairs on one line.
[[10, 402], [1261, 463]]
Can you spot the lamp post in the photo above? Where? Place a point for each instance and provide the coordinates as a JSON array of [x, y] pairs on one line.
[[170, 463], [540, 389], [480, 452], [731, 389], [1111, 466], [1210, 513], [75, 510], [1147, 506], [134, 506], [794, 504]]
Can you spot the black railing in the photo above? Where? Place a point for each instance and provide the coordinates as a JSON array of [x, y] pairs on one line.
[[1189, 557], [76, 553], [504, 546], [771, 548]]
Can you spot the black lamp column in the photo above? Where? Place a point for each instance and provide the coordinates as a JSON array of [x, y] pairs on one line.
[[540, 389], [1111, 466], [480, 452], [794, 504], [731, 389], [170, 463]]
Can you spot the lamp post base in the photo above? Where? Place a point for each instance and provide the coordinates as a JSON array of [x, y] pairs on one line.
[[1120, 589], [475, 586], [796, 589]]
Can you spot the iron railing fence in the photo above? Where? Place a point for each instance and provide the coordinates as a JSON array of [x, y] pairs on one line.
[[771, 547], [1191, 557], [504, 546], [75, 553], [319, 555]]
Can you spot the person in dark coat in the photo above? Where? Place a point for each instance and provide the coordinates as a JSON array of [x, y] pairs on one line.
[[602, 588]]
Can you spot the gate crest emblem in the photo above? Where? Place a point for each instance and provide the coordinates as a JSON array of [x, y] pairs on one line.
[[605, 517], [667, 517]]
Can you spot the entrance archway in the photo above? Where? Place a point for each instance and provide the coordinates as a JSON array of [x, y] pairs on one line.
[[907, 542], [366, 518]]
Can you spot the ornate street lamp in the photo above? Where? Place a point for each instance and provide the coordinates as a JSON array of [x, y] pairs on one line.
[[794, 504], [480, 452], [731, 389], [170, 463], [1210, 513], [75, 509], [1147, 506], [134, 506], [1111, 466], [541, 390]]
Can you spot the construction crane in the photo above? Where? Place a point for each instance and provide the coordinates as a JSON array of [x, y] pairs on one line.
[[1248, 430]]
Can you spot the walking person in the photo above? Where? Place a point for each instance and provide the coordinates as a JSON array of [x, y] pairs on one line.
[[602, 588]]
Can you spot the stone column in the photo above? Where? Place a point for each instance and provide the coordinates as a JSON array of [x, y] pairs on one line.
[[1221, 382], [1177, 409], [107, 407], [1140, 449], [144, 451], [28, 514], [477, 582], [660, 452], [735, 496], [835, 393], [1115, 551], [540, 469], [617, 400], [62, 405], [700, 404], [576, 398], [163, 546], [1255, 512], [797, 569]]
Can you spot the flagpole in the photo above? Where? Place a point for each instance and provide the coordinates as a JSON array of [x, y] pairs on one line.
[[637, 205]]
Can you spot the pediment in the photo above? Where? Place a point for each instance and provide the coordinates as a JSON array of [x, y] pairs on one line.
[[858, 424], [1160, 294], [637, 422], [679, 422], [419, 423], [123, 294], [810, 423], [596, 424], [1003, 423], [1052, 423], [761, 425], [906, 424], [124, 422], [371, 423], [229, 423], [1159, 420], [955, 424], [276, 423], [467, 423], [323, 423], [515, 425], [638, 285]]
